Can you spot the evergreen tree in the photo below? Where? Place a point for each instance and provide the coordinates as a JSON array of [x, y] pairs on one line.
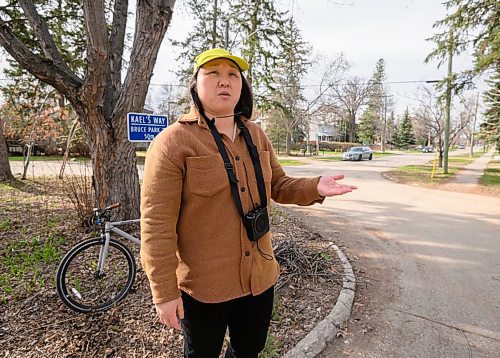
[[490, 129], [474, 24], [208, 32], [373, 115], [292, 65], [255, 30], [405, 136], [366, 130]]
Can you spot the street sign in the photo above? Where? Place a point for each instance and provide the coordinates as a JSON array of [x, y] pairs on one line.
[[143, 127]]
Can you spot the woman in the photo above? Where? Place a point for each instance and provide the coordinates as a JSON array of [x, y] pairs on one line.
[[202, 268]]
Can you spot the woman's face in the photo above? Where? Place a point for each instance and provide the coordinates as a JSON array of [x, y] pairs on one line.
[[218, 85]]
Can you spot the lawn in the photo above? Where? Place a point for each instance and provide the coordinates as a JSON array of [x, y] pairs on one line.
[[290, 162], [46, 158], [422, 174], [491, 175], [330, 158]]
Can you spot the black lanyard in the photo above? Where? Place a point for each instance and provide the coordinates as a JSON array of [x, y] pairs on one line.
[[254, 154]]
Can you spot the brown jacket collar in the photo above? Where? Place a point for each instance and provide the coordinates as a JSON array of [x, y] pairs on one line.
[[194, 116]]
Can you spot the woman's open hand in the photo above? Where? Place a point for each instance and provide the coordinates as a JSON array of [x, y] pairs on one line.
[[328, 186]]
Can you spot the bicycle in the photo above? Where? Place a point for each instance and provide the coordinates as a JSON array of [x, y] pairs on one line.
[[98, 273]]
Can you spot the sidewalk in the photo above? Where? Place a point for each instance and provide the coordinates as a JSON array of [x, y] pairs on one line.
[[472, 172]]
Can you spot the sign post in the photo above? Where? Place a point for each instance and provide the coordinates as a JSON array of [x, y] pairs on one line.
[[143, 127]]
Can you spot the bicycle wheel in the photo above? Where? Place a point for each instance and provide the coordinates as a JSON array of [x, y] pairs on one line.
[[82, 288]]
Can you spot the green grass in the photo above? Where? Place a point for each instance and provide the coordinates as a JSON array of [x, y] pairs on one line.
[[24, 260], [5, 225], [333, 158], [422, 173], [290, 162], [46, 158], [491, 176], [271, 348], [328, 152], [384, 154]]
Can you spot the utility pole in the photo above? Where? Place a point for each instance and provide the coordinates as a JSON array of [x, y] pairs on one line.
[[473, 128], [214, 28], [227, 34], [385, 124], [448, 105]]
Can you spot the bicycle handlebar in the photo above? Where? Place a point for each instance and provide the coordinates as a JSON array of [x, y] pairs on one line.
[[104, 213], [113, 206]]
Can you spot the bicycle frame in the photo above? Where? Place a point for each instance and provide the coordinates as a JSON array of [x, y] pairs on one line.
[[111, 227]]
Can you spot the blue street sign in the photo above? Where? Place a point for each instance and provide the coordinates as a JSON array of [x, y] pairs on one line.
[[143, 127]]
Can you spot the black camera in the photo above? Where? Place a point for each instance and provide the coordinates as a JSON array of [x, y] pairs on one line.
[[256, 223]]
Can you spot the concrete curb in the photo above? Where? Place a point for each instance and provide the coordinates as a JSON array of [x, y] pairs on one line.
[[326, 330]]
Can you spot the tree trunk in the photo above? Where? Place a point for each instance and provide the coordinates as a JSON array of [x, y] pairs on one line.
[[440, 149], [352, 128], [100, 98], [114, 163], [5, 172], [288, 141]]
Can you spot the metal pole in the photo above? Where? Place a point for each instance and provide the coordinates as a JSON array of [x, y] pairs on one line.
[[474, 128], [385, 124], [214, 29], [227, 34], [448, 106]]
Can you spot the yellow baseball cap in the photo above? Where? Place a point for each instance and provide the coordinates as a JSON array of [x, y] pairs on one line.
[[215, 53]]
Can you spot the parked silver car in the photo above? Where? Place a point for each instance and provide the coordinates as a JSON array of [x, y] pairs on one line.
[[358, 153]]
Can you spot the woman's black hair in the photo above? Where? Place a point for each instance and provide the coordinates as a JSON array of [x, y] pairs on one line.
[[244, 105]]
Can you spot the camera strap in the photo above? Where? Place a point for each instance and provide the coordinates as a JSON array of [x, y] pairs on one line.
[[254, 154]]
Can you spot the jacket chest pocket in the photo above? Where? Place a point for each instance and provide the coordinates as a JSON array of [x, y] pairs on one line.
[[265, 163], [206, 176]]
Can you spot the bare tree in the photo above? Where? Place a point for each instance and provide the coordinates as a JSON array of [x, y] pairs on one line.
[[348, 99], [430, 116], [100, 98]]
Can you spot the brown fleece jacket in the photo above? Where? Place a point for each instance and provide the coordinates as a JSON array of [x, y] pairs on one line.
[[192, 236]]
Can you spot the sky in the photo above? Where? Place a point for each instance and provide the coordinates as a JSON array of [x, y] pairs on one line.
[[363, 30]]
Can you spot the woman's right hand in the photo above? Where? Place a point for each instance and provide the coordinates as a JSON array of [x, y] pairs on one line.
[[171, 312]]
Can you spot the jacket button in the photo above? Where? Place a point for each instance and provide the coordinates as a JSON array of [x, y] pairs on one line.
[[237, 157], [247, 253], [242, 189]]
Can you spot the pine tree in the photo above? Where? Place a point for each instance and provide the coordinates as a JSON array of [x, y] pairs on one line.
[[405, 136], [474, 24], [373, 115], [292, 65], [255, 30], [208, 32], [490, 129], [366, 130]]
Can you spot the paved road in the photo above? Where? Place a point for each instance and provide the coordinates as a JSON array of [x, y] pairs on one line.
[[429, 259]]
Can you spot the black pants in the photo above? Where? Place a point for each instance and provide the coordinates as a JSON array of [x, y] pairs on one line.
[[204, 325]]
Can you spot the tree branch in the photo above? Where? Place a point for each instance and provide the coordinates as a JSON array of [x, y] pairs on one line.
[[97, 51], [42, 33], [152, 19], [45, 70], [116, 46]]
